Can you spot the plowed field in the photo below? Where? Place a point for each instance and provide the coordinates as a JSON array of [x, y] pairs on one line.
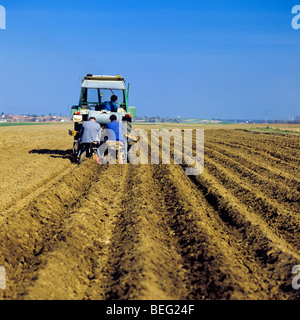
[[149, 231]]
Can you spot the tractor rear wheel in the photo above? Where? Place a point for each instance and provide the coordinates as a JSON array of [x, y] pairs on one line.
[[82, 157], [129, 131]]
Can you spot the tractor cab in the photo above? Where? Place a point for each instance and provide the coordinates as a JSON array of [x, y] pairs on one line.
[[95, 95]]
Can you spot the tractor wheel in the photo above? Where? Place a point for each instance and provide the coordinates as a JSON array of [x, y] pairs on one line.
[[129, 127], [82, 157], [74, 151], [129, 130], [129, 142], [75, 147]]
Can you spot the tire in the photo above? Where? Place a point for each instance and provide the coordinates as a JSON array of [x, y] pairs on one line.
[[129, 127], [75, 148], [129, 131], [82, 157]]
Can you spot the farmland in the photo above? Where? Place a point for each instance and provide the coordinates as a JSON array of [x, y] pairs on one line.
[[150, 231]]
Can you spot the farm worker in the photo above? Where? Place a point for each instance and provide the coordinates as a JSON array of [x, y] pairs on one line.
[[112, 104], [115, 140], [90, 132]]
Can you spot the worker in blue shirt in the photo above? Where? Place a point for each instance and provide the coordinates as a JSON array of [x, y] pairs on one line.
[[116, 128], [115, 139]]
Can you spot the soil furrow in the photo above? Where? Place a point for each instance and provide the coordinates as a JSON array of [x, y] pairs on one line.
[[271, 187], [282, 221], [288, 145], [33, 192], [263, 168], [274, 190], [144, 263], [280, 161], [274, 253], [81, 250], [214, 270], [211, 265], [30, 232]]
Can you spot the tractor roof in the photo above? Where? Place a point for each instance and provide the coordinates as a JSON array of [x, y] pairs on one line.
[[103, 82]]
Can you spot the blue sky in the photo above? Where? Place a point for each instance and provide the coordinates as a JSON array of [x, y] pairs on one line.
[[203, 59]]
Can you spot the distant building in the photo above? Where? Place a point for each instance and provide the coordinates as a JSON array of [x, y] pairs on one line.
[[33, 118]]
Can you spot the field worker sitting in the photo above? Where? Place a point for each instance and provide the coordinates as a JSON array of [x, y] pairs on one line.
[[90, 132], [115, 139], [112, 104]]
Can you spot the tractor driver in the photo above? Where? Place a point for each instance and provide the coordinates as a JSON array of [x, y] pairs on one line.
[[112, 104]]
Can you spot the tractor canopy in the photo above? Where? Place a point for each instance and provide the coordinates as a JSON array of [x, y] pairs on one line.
[[104, 82], [97, 90]]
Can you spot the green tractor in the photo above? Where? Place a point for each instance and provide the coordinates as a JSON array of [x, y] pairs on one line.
[[95, 94]]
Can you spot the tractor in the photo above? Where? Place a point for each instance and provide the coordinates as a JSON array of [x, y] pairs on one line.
[[95, 94]]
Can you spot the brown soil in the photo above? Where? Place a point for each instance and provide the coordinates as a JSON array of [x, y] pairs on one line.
[[149, 231]]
